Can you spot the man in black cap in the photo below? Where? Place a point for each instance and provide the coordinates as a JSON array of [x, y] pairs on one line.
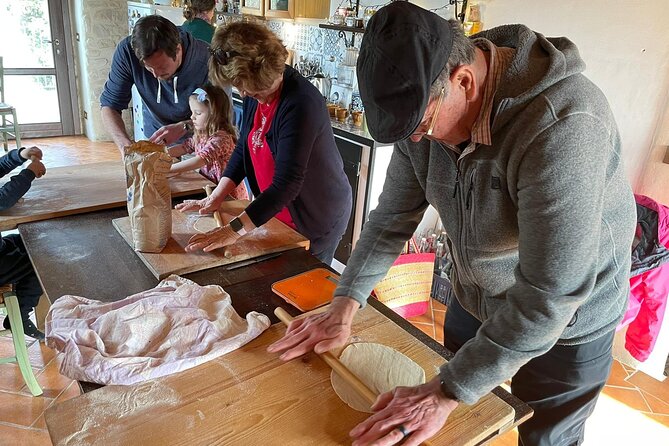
[[519, 153]]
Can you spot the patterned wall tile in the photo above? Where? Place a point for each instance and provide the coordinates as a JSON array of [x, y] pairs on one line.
[[315, 39], [276, 27]]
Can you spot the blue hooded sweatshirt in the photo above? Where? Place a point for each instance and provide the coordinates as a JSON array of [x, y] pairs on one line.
[[165, 102]]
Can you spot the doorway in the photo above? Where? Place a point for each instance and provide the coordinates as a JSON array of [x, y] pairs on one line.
[[37, 53]]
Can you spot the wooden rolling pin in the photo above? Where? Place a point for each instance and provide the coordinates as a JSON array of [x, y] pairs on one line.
[[217, 216], [338, 367], [335, 364]]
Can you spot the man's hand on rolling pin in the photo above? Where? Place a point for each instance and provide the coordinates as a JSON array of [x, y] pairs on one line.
[[205, 206], [168, 134], [214, 239], [412, 414], [37, 168], [319, 332], [30, 152]]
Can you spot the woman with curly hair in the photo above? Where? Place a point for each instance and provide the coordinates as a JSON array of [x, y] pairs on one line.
[[286, 147]]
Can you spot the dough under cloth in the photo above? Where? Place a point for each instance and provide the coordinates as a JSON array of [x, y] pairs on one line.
[[380, 367]]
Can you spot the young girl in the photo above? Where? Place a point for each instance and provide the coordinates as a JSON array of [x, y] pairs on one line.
[[213, 140]]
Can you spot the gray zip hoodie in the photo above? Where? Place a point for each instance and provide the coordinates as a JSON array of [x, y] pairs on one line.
[[540, 223]]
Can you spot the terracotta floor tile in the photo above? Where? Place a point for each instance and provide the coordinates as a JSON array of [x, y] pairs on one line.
[[657, 406], [507, 439], [11, 379], [438, 305], [427, 329], [618, 376], [439, 317], [72, 391], [651, 385], [6, 347], [20, 409], [662, 419], [630, 397], [40, 423], [423, 318], [24, 437], [40, 355], [51, 381]]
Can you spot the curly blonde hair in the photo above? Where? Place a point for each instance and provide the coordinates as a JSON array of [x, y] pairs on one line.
[[255, 57]]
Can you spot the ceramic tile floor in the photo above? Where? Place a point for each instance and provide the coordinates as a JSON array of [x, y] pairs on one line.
[[633, 409]]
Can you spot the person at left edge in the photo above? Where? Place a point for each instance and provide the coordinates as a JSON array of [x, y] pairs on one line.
[[166, 64]]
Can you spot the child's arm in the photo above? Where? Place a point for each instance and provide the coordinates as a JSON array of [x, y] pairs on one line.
[[190, 164], [19, 184], [177, 151]]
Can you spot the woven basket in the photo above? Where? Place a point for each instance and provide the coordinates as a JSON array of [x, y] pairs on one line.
[[406, 288]]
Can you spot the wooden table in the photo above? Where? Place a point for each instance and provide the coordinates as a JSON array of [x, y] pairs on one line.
[[84, 255], [83, 188]]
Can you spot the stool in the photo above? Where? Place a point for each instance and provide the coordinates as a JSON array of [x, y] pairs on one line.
[[10, 305], [9, 125]]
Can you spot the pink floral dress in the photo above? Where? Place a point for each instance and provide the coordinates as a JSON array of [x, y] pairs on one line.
[[215, 151]]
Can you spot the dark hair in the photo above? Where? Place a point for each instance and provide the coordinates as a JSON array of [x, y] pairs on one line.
[[220, 115], [153, 33], [193, 7]]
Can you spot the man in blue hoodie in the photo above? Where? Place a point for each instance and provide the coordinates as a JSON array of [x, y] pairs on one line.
[[166, 65]]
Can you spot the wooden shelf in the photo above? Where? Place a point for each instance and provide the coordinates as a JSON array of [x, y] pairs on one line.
[[342, 28]]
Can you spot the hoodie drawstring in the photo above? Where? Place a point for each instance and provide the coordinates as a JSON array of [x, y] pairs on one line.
[[176, 98], [158, 97]]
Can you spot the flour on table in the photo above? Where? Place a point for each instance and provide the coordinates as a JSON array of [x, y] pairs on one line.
[[381, 368]]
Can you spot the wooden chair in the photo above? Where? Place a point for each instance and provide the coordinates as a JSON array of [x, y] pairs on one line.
[[9, 125], [9, 304]]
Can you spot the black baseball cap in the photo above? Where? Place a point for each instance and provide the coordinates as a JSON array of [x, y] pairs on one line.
[[404, 49]]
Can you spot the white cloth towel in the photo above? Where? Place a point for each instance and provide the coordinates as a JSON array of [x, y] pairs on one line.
[[164, 330]]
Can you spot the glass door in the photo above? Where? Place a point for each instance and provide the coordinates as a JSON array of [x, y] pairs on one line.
[[39, 69]]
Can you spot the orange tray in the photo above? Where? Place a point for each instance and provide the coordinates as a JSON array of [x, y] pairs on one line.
[[308, 290]]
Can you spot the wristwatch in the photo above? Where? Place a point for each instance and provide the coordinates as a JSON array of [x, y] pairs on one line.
[[237, 226]]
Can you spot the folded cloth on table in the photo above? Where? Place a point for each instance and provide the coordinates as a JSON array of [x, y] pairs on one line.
[[172, 327]]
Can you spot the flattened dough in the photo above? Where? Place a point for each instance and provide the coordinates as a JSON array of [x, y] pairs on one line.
[[204, 224], [381, 368]]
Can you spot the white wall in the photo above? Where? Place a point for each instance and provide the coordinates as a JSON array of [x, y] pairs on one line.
[[625, 45], [101, 24]]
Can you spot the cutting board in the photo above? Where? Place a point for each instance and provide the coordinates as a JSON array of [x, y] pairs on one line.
[[83, 188], [273, 236], [250, 397]]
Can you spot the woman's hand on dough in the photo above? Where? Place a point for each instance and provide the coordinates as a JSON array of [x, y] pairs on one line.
[[205, 206], [421, 411], [214, 239], [319, 332]]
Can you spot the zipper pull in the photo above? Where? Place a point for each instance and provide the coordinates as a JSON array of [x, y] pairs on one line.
[[457, 181], [469, 192]]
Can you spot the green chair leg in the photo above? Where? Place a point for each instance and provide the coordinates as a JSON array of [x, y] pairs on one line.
[[19, 339]]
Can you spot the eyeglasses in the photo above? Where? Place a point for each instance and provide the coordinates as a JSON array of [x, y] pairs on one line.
[[435, 113], [222, 57]]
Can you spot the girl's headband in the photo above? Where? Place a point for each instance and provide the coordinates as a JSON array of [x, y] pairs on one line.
[[201, 94]]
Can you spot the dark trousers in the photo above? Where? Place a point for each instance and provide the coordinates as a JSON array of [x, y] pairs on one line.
[[15, 268], [561, 386]]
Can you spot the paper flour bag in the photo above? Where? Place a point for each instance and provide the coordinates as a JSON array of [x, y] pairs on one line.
[[149, 196]]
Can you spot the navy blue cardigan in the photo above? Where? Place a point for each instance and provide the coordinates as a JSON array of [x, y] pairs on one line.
[[309, 173], [19, 184]]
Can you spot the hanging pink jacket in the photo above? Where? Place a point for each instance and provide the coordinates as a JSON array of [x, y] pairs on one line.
[[649, 279]]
